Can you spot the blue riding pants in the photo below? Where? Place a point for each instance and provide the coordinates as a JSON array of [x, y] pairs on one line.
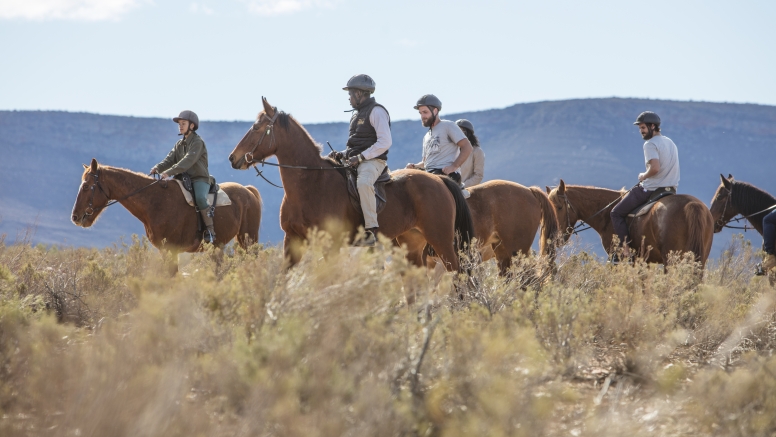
[[769, 232], [201, 189]]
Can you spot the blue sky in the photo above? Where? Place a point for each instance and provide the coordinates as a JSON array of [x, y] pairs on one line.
[[133, 57]]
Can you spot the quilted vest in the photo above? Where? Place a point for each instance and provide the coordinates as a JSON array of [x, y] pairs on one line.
[[362, 133]]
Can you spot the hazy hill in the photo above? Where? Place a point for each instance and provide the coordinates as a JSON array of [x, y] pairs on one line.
[[590, 141]]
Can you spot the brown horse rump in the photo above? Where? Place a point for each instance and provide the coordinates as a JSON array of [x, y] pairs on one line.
[[653, 198], [355, 199], [222, 199]]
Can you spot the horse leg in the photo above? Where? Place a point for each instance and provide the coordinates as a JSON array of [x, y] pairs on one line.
[[415, 243], [292, 249]]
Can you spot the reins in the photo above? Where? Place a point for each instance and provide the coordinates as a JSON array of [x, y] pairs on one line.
[[271, 132], [579, 227], [90, 210], [729, 200]]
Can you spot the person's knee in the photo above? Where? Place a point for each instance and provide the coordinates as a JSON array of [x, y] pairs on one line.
[[770, 219], [201, 202]]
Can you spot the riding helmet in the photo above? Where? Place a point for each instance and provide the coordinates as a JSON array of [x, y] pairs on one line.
[[429, 100], [188, 115], [465, 123], [647, 117], [361, 82]]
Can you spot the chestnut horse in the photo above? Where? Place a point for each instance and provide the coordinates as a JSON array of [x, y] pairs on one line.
[[736, 197], [170, 223], [316, 194], [506, 218], [679, 222]]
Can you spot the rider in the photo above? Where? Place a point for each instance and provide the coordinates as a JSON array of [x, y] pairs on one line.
[[769, 235], [190, 155], [662, 164], [473, 169], [368, 144], [445, 147]]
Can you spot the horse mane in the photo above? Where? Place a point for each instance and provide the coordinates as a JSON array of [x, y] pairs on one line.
[[749, 199], [121, 169], [284, 120]]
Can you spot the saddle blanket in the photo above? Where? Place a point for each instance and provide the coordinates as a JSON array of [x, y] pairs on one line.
[[221, 200], [643, 209]]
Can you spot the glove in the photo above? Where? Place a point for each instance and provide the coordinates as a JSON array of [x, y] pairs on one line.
[[354, 161], [337, 156]]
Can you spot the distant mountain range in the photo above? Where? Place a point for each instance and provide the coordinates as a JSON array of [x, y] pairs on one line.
[[586, 141]]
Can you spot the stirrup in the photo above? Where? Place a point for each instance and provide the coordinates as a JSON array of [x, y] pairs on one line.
[[208, 237], [369, 239]]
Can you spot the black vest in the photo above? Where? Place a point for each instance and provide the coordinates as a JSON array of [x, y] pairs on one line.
[[362, 133]]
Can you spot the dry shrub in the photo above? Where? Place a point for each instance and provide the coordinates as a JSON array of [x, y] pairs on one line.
[[236, 345]]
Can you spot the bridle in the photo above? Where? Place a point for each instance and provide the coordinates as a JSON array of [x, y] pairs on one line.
[[722, 223], [579, 227], [271, 132], [90, 210]]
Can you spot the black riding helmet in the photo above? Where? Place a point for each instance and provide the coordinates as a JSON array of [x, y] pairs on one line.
[[190, 116], [431, 101], [361, 82], [647, 117]]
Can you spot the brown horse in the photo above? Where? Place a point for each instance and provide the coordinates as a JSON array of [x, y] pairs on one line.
[[316, 194], [676, 223], [506, 218], [169, 221], [735, 197]]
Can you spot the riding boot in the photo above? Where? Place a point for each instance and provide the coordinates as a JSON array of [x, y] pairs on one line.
[[369, 239], [769, 263], [209, 236]]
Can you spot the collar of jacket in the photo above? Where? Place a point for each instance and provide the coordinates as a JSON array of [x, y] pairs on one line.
[[187, 140], [365, 103]]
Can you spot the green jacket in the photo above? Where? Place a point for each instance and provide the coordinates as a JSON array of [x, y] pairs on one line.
[[189, 155]]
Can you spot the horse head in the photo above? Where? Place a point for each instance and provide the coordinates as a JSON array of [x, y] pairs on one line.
[[722, 209], [567, 215], [260, 142], [91, 198]]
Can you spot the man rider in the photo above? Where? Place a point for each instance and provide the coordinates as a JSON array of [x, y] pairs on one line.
[[368, 143], [190, 155], [473, 170], [661, 159], [769, 240], [445, 147]]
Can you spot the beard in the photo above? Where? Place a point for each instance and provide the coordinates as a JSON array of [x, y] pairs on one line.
[[429, 121]]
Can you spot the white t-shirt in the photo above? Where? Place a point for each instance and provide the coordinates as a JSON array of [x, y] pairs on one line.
[[664, 150], [440, 145]]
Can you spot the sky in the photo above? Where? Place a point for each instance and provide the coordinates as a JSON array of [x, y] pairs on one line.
[[153, 58]]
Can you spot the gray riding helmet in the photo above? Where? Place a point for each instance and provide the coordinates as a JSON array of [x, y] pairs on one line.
[[465, 123], [429, 100], [361, 82], [188, 115], [647, 117]]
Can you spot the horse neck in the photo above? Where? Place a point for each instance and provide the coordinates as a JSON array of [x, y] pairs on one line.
[[298, 149], [589, 201], [762, 202], [121, 183]]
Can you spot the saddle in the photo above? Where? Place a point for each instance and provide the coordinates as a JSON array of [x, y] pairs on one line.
[[216, 196], [653, 198], [355, 199]]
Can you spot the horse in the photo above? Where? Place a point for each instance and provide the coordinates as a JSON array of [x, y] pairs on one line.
[[506, 218], [679, 222], [735, 197], [170, 223], [316, 193]]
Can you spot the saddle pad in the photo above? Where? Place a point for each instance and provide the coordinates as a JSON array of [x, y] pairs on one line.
[[222, 200], [382, 180], [643, 209]]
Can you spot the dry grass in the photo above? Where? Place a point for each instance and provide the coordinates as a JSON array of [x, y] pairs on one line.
[[102, 343]]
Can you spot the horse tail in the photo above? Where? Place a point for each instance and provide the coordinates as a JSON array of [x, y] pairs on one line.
[[464, 227], [549, 223], [695, 213], [255, 192]]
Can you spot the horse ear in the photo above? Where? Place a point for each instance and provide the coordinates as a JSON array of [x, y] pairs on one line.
[[549, 190], [725, 182], [268, 109], [85, 166], [730, 177], [561, 188], [94, 165]]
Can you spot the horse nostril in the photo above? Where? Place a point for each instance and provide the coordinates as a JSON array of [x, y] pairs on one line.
[[231, 158], [75, 218]]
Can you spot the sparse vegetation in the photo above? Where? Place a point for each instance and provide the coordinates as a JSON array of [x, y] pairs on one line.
[[103, 343]]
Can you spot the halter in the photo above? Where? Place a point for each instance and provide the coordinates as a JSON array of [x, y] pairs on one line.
[[90, 210]]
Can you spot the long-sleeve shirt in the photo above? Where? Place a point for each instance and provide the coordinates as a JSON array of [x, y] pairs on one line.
[[379, 120], [473, 169], [188, 155]]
